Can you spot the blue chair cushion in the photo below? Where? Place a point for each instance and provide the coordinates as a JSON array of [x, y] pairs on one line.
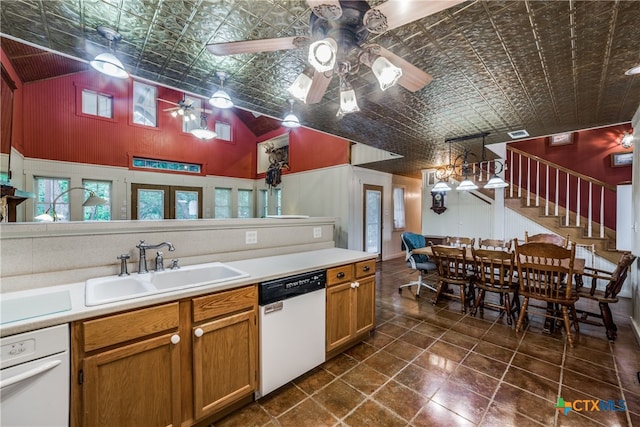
[[413, 241]]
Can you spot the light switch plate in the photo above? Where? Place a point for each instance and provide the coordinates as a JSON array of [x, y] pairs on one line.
[[251, 237], [317, 232]]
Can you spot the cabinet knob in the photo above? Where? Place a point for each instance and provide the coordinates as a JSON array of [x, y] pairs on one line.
[[340, 275], [198, 332], [357, 284], [175, 339], [353, 285], [366, 268]]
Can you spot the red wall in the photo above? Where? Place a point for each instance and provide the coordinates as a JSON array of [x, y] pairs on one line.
[[16, 126], [55, 128]]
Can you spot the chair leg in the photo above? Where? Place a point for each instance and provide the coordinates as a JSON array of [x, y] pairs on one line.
[[567, 324], [607, 319], [507, 307], [523, 313], [463, 301], [440, 285], [479, 302]]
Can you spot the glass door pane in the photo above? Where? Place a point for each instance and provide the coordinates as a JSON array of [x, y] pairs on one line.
[[373, 219], [150, 204], [186, 205]]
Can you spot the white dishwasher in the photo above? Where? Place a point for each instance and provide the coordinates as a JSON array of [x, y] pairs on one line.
[[34, 378], [292, 328]]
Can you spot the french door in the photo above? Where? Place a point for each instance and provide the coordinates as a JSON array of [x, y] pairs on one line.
[[149, 202], [372, 221]]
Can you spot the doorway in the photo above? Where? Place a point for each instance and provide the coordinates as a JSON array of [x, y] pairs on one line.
[[152, 202], [372, 219]]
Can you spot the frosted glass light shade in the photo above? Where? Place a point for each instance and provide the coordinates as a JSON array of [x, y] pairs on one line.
[[322, 54], [348, 102], [300, 87], [467, 185], [386, 73], [440, 186], [291, 121], [203, 133], [108, 64], [221, 99], [496, 182]]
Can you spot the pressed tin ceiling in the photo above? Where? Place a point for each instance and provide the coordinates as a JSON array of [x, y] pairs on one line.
[[497, 66]]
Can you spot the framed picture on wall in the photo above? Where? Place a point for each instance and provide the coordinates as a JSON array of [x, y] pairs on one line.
[[621, 159], [561, 139]]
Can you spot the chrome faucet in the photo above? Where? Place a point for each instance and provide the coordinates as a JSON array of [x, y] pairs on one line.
[[142, 262]]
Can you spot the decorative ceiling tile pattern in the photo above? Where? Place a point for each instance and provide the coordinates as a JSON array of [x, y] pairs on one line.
[[497, 66]]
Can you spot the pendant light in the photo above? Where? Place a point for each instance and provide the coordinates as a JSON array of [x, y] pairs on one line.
[[221, 99], [291, 120], [203, 132], [106, 62]]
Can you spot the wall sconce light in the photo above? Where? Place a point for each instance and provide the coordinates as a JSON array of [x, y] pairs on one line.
[[626, 140], [221, 99], [106, 62], [291, 120], [51, 215], [203, 132]]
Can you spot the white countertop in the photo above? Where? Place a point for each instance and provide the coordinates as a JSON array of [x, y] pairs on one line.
[[51, 307]]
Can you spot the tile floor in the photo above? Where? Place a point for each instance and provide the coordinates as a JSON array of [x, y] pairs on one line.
[[430, 365]]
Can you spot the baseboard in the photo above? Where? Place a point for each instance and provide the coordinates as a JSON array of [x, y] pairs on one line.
[[636, 329]]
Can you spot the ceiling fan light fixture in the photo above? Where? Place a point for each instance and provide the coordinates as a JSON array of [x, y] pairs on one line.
[[322, 54], [175, 113], [627, 140], [106, 62], [348, 101], [300, 87], [386, 73], [291, 120]]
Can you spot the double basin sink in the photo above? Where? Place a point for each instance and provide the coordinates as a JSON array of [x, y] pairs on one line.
[[104, 290]]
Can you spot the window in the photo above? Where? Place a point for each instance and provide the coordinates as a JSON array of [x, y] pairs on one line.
[[144, 104], [47, 191], [186, 204], [97, 104], [191, 119], [398, 208], [222, 203], [99, 212], [223, 131], [245, 204], [270, 202]]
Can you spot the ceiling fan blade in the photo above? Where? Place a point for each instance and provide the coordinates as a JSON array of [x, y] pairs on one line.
[[167, 101], [319, 85], [413, 78], [255, 46], [326, 9], [395, 13]]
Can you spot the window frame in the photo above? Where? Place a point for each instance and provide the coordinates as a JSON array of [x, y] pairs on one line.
[[249, 207], [399, 209], [80, 103], [88, 183], [148, 101], [229, 206], [47, 203]]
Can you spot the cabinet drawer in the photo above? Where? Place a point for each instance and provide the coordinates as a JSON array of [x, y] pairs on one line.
[[340, 274], [99, 333], [365, 268], [224, 302]]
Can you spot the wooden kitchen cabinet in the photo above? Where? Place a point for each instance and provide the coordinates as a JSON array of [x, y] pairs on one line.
[[350, 305], [170, 365]]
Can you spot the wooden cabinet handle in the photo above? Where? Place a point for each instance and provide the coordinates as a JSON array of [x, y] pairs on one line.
[[198, 332], [340, 275], [175, 339]]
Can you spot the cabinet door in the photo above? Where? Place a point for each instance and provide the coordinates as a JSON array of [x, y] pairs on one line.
[[135, 385], [365, 304], [224, 361], [340, 321]]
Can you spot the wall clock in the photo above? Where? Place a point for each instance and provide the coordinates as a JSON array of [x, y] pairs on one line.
[[437, 202]]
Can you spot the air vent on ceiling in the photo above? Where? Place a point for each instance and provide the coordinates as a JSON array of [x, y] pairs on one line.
[[518, 134]]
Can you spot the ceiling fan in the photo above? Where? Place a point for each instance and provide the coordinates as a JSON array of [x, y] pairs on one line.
[[337, 42], [185, 109]]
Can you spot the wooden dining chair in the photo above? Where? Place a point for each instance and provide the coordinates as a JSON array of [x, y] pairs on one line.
[[547, 238], [615, 280], [494, 273], [545, 273], [504, 245], [453, 269], [459, 241]]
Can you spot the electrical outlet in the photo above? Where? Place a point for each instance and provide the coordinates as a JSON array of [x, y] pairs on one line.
[[317, 232], [251, 237]]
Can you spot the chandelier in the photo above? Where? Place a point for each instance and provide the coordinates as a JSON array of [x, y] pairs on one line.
[[468, 169]]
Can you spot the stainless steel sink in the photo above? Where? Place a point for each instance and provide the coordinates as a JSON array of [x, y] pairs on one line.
[[114, 288]]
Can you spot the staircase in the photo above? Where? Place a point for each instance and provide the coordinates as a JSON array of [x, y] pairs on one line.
[[536, 189]]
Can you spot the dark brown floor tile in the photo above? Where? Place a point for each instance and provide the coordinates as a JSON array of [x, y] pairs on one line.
[[578, 420], [417, 339], [469, 331], [364, 378], [435, 363], [403, 401], [382, 315], [537, 366], [361, 351], [430, 329], [593, 356], [494, 351], [591, 386], [591, 409], [448, 351], [475, 381], [282, 399], [535, 384], [422, 381], [252, 415], [485, 365], [590, 369], [379, 340], [404, 321], [507, 341], [542, 353], [461, 401], [632, 401], [307, 414], [403, 350], [475, 322], [635, 419], [460, 339], [385, 363], [501, 415], [339, 364], [314, 380], [339, 398], [372, 414], [512, 400], [435, 415], [550, 342], [392, 330]]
